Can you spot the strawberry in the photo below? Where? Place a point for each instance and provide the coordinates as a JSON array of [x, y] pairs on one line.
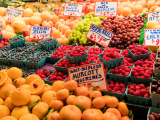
[[146, 95], [137, 93]]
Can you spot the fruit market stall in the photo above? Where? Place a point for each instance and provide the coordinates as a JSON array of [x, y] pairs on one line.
[[73, 61]]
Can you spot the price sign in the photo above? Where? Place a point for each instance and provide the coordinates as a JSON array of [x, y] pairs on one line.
[[106, 9], [73, 9], [12, 13], [154, 16], [152, 37], [99, 35], [89, 75], [0, 25], [40, 32]]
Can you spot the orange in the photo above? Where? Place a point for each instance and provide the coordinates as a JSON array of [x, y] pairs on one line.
[[126, 11], [99, 102], [60, 27], [82, 91], [55, 18], [29, 117], [68, 32], [27, 20], [120, 7], [28, 12], [48, 96], [71, 85], [95, 94], [56, 34], [64, 28], [6, 90], [61, 20], [8, 118], [125, 118], [1, 101], [70, 99], [44, 14], [91, 114], [31, 78], [4, 111], [40, 110], [33, 99], [19, 82], [18, 27], [57, 24], [111, 102], [3, 77], [8, 81], [62, 94], [56, 104], [47, 88], [114, 111], [83, 101], [137, 9], [70, 112], [17, 112], [109, 116], [123, 109], [3, 11], [9, 104], [150, 4], [15, 72], [20, 96], [49, 18], [58, 85], [54, 115], [35, 20], [25, 86], [36, 87]]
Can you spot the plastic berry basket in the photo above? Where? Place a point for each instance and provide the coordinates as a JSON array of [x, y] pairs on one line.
[[17, 63], [34, 65], [118, 77], [18, 43], [112, 63], [1, 37], [137, 57], [77, 59], [5, 61], [137, 99], [49, 46], [151, 109], [119, 96]]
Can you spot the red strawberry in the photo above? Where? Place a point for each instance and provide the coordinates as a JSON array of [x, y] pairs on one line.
[[132, 87], [137, 88], [137, 93], [131, 92], [143, 91], [146, 95], [141, 86], [115, 88], [111, 85]]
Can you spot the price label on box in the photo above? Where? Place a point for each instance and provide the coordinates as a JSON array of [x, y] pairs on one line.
[[40, 32], [106, 9], [152, 37], [0, 25], [89, 75], [12, 13], [73, 9], [154, 16], [99, 35]]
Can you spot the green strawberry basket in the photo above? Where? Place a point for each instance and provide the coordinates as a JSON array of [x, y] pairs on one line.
[[151, 109], [49, 46], [18, 43], [1, 37]]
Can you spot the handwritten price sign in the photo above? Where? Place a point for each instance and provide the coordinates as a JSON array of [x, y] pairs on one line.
[[99, 35], [0, 25], [106, 9], [89, 75], [72, 9], [12, 13], [39, 32], [152, 37], [154, 16]]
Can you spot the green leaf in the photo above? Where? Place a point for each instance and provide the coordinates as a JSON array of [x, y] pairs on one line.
[[104, 109], [70, 93], [92, 98], [122, 101], [130, 113], [18, 34], [80, 107], [52, 118], [49, 112], [34, 104]]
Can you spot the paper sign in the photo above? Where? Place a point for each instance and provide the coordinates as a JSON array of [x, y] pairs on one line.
[[89, 75], [106, 9], [12, 13], [99, 35], [0, 25], [40, 32], [154, 16], [73, 9], [152, 37]]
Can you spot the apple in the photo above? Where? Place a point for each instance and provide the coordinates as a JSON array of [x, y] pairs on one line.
[[5, 39], [25, 32], [1, 45], [6, 43]]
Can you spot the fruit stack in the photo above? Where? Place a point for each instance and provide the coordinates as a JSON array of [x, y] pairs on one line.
[[17, 41], [4, 41], [43, 73], [77, 55]]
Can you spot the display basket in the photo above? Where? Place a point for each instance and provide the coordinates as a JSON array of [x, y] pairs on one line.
[[137, 57], [119, 96], [77, 59], [1, 37], [151, 109], [17, 63], [18, 43], [49, 46], [112, 63], [5, 61], [137, 99], [119, 77], [34, 65]]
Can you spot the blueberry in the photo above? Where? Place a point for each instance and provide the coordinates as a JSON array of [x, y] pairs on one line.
[[34, 58], [27, 72], [45, 53], [48, 41], [7, 55], [4, 67], [20, 57], [6, 48], [15, 39]]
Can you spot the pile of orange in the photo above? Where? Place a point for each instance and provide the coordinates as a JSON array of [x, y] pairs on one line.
[[32, 99]]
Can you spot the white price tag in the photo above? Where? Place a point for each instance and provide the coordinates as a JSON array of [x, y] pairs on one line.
[[73, 9], [106, 9], [154, 16], [12, 13], [0, 25], [40, 32], [152, 37], [99, 35]]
